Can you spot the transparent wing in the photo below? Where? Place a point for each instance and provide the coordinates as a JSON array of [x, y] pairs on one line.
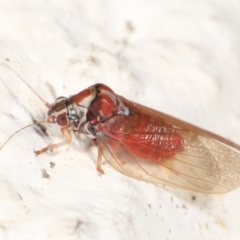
[[209, 163]]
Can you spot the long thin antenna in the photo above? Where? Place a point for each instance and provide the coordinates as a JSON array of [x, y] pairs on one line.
[[46, 103], [37, 123]]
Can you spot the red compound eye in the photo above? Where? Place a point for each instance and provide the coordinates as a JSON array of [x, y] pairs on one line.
[[62, 120]]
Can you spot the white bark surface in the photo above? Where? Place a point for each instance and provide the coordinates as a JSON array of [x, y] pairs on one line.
[[179, 57]]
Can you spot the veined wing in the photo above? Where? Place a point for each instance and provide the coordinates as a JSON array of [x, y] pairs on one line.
[[208, 163]]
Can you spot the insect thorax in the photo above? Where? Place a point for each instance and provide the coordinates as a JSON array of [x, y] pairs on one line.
[[92, 106]]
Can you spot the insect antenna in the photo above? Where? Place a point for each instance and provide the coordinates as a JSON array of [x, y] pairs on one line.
[[36, 123], [45, 102]]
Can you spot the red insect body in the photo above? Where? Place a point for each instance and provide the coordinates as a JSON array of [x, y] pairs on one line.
[[146, 144], [158, 139]]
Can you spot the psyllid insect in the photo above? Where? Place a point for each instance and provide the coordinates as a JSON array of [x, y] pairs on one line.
[[146, 144]]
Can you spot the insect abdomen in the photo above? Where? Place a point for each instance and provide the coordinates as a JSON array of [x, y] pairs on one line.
[[145, 137]]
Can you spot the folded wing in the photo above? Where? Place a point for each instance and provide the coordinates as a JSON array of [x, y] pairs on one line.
[[207, 163]]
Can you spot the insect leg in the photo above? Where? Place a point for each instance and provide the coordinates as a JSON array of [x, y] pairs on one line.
[[68, 138], [99, 160]]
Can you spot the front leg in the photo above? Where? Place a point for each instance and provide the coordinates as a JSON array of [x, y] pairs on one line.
[[67, 136]]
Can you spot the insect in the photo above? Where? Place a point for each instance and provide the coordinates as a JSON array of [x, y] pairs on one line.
[[146, 144]]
